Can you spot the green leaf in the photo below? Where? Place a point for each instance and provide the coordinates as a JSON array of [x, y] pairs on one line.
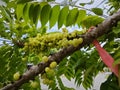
[[45, 13], [50, 0], [5, 14], [116, 62], [36, 13], [81, 16], [23, 1], [116, 30], [54, 15], [19, 10], [97, 11], [43, 30], [111, 84], [82, 4], [42, 4], [62, 66], [26, 12], [31, 11], [87, 3], [6, 1], [91, 21], [62, 16], [88, 80], [61, 85], [78, 77], [11, 4], [72, 16]]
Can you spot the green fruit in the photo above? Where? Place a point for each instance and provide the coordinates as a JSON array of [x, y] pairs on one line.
[[80, 40], [53, 64], [34, 84], [47, 69], [43, 76], [16, 76], [49, 44], [79, 32], [51, 82], [84, 31], [50, 74], [45, 59], [45, 81], [64, 30], [75, 42], [24, 59]]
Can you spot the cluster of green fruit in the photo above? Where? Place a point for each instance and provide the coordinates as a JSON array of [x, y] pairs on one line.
[[54, 40], [49, 75], [33, 84]]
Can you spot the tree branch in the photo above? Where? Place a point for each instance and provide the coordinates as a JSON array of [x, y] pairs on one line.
[[100, 30]]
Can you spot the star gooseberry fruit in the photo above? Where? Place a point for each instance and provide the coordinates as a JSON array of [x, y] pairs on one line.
[[16, 76], [45, 81], [45, 58], [34, 84], [24, 59], [53, 64], [47, 69]]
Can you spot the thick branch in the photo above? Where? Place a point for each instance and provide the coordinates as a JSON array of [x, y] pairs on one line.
[[102, 28]]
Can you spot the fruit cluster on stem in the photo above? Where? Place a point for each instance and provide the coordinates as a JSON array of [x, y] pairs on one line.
[[58, 40]]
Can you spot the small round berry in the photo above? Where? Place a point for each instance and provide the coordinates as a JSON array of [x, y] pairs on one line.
[[53, 64], [47, 69], [16, 76], [34, 84], [45, 58]]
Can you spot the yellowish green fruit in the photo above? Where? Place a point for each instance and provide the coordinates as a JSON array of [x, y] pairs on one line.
[[79, 32], [64, 30], [43, 76], [80, 40], [16, 76], [53, 64], [51, 82], [50, 44], [24, 59], [43, 43], [34, 84], [45, 58], [47, 69], [75, 42], [50, 74], [84, 31], [45, 81]]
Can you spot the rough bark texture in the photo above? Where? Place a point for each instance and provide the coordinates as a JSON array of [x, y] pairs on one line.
[[100, 30]]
